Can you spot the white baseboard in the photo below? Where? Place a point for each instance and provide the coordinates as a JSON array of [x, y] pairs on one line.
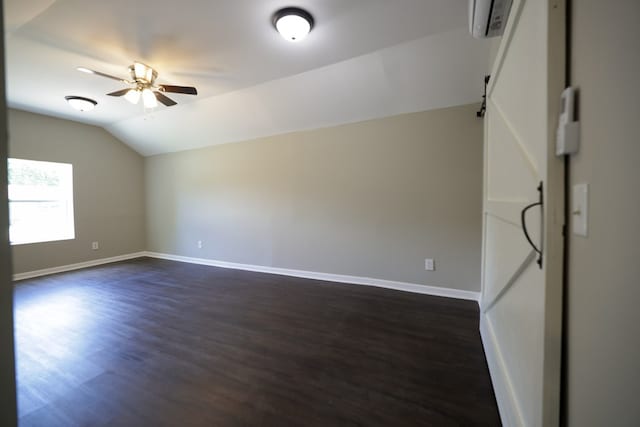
[[329, 277], [508, 407], [340, 278], [77, 266]]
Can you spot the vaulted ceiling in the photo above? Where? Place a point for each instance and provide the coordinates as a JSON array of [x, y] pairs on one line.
[[364, 59]]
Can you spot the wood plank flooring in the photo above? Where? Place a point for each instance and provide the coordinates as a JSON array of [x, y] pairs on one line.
[[160, 343]]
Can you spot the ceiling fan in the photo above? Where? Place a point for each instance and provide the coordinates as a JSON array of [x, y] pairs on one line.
[[143, 81]]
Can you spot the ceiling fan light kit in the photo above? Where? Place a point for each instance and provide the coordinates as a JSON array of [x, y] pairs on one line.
[[149, 98], [293, 24], [133, 96], [81, 103]]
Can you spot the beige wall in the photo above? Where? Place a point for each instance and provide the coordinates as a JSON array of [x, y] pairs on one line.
[[604, 268], [108, 189], [371, 199]]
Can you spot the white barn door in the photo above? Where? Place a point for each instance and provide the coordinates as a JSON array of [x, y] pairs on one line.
[[521, 306]]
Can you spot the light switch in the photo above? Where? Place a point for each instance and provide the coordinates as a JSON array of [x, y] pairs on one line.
[[579, 209]]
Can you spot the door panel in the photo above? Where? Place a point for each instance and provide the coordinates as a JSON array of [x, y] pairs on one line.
[[521, 93], [511, 168], [516, 319], [507, 255], [521, 302]]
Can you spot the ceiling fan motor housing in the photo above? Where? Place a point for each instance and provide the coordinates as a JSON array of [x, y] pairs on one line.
[[142, 74]]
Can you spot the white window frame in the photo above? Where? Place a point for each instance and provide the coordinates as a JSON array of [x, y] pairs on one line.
[[43, 229]]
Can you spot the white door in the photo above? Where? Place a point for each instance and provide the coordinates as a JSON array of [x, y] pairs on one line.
[[521, 306]]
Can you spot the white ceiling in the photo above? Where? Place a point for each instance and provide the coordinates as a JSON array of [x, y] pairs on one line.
[[364, 59]]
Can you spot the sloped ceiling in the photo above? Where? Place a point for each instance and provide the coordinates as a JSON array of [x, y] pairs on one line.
[[364, 59]]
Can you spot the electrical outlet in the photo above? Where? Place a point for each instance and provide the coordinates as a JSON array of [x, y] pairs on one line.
[[199, 244], [429, 264], [95, 246]]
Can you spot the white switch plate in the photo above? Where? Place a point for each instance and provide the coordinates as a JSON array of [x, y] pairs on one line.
[[199, 244], [429, 264], [94, 246], [580, 209]]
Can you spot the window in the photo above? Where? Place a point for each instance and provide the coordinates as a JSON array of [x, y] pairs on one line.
[[40, 201]]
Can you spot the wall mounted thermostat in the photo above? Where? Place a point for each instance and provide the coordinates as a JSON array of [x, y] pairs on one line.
[[568, 133]]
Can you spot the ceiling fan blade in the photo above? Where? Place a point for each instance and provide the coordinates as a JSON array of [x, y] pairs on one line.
[[189, 90], [121, 92], [98, 73], [165, 99]]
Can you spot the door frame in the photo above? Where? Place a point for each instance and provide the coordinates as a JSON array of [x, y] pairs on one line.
[[8, 414]]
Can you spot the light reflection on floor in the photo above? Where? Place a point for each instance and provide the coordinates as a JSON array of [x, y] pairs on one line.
[[53, 332]]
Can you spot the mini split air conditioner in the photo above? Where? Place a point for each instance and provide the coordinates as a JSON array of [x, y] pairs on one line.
[[488, 18]]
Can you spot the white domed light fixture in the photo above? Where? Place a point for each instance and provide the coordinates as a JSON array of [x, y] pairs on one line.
[[149, 98], [81, 103], [293, 24], [133, 96]]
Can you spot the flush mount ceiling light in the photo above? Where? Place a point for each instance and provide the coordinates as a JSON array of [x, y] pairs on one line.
[[81, 103], [293, 23]]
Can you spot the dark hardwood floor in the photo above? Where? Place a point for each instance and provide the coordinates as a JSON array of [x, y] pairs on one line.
[[159, 343]]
